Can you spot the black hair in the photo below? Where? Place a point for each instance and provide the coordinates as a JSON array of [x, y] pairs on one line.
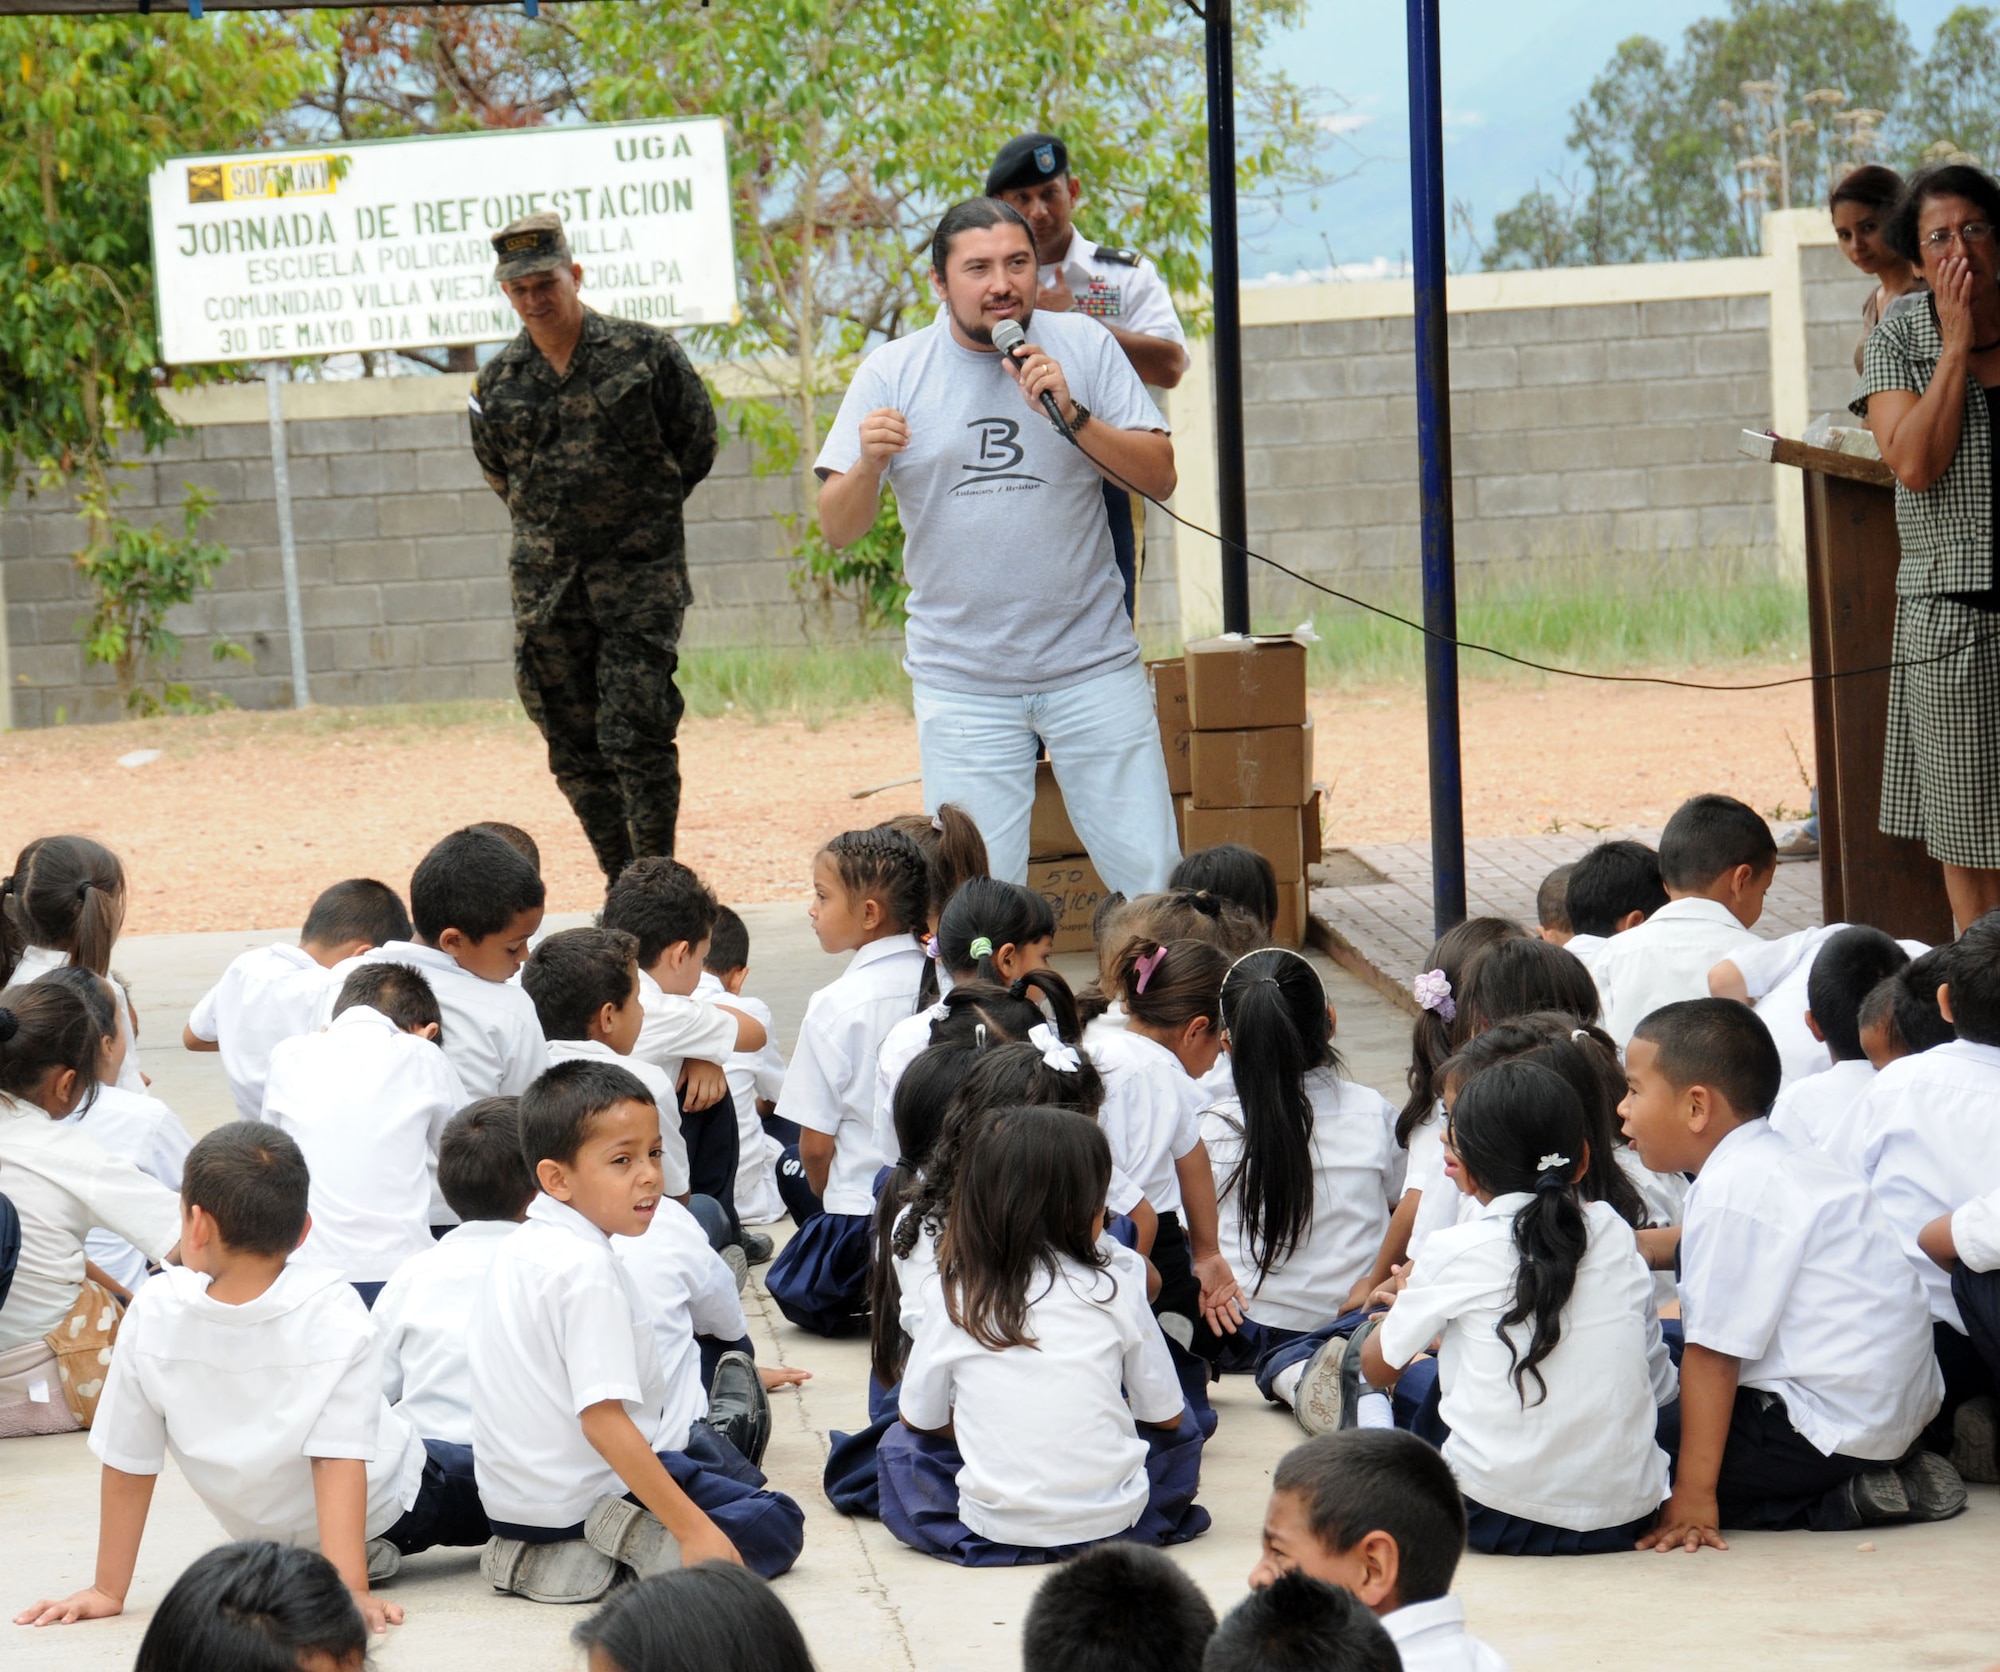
[[1975, 185], [556, 1111], [473, 882], [251, 1179], [253, 1607], [882, 864], [1523, 974], [1611, 882], [713, 1618], [952, 847], [1709, 836], [980, 1013], [1973, 978], [1431, 1037], [728, 943], [998, 913], [515, 837], [46, 1025], [964, 217], [660, 903], [1274, 1008], [1849, 964], [1720, 1044], [1918, 1018], [1552, 900], [1520, 1126], [1368, 1480], [1116, 1608], [573, 975], [96, 991], [400, 992], [1871, 185], [1878, 1010], [1240, 875], [359, 909], [480, 1170], [68, 893], [1301, 1624]]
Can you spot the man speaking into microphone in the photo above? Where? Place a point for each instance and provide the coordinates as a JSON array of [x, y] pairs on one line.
[[1017, 625]]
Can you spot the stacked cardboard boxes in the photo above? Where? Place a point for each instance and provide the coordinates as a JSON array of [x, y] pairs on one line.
[[1058, 868]]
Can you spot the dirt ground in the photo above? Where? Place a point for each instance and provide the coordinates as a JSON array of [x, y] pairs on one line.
[[243, 817]]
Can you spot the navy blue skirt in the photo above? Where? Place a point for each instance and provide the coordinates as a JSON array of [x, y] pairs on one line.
[[820, 1277], [851, 1476]]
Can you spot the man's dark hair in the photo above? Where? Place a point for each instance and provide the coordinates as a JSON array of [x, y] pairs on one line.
[[1848, 966], [1973, 975], [472, 882], [398, 991], [481, 1174], [1368, 1480], [1301, 1624], [1552, 901], [515, 837], [1709, 835], [360, 909], [659, 902], [1975, 185], [556, 1111], [1918, 1018], [974, 212], [1116, 1608], [573, 975], [254, 1607], [1720, 1044], [1611, 882], [251, 1179], [728, 943]]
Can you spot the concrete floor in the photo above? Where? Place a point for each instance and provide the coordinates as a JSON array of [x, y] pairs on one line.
[[1917, 1597]]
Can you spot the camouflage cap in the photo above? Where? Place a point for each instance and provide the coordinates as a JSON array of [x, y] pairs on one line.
[[533, 244]]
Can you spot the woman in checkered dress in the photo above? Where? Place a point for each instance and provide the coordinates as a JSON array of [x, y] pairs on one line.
[[1930, 391]]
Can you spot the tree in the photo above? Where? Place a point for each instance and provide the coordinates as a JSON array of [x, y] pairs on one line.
[[1955, 95]]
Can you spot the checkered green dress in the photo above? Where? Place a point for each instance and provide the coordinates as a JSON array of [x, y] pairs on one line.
[[1941, 761]]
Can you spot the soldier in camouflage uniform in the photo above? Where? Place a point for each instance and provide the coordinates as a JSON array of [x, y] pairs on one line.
[[593, 430]]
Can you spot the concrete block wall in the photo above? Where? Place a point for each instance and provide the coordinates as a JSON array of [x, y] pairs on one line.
[[1834, 293]]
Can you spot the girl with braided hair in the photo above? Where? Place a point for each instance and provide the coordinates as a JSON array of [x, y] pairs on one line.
[[871, 897], [64, 904]]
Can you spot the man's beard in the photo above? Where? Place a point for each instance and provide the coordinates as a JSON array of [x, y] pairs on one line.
[[977, 330]]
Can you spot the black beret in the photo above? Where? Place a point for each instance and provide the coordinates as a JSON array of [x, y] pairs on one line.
[[1027, 160]]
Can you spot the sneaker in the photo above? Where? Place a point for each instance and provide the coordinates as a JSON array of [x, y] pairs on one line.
[[384, 1560], [627, 1533], [1975, 1444], [566, 1571], [1317, 1402], [738, 1407], [1932, 1486], [1801, 844], [1878, 1497], [738, 1264], [757, 1248]]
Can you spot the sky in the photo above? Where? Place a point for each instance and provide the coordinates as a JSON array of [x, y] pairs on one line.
[[1511, 70]]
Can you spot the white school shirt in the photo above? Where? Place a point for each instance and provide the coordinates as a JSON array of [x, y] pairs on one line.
[[1582, 1457], [557, 1328], [673, 1147], [1585, 948], [1151, 1113], [1975, 1232], [1052, 1455], [1929, 1140], [1820, 1109], [1439, 1200], [1775, 975], [751, 1075], [679, 1026], [366, 1103], [144, 1131], [1431, 1637], [914, 1271], [63, 1185], [246, 1396], [901, 1046], [1665, 1199], [422, 1314], [1663, 960], [267, 994], [490, 1033], [37, 961], [1788, 1265], [1357, 1180], [830, 1087], [685, 1291]]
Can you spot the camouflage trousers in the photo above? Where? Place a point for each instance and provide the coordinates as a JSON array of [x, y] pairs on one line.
[[596, 675]]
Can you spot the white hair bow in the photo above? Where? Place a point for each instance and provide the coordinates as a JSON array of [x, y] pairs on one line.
[[1055, 1053]]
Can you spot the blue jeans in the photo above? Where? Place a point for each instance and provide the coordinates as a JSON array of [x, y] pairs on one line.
[[1104, 744]]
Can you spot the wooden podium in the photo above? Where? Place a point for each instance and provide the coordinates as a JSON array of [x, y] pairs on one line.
[[1852, 551]]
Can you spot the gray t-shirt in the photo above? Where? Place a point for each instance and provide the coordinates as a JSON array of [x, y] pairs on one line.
[[1013, 587]]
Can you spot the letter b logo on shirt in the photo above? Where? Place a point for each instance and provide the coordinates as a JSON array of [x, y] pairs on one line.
[[998, 450]]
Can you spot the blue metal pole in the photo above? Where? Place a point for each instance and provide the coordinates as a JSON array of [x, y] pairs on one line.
[[1226, 336], [1427, 215]]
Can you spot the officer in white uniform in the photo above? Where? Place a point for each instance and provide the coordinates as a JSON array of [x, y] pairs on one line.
[[1120, 288]]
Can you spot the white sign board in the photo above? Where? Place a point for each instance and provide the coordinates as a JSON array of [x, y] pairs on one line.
[[387, 244]]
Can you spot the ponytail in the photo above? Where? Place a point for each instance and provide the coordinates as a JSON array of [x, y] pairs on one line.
[[1056, 997], [954, 851], [44, 1026], [984, 915], [68, 893]]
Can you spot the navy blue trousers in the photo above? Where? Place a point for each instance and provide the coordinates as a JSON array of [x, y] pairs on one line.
[[1978, 1297], [710, 1136], [447, 1510]]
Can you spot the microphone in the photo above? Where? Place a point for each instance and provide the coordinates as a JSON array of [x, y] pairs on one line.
[[1010, 339]]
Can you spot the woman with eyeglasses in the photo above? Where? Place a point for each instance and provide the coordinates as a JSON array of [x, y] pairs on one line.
[[1930, 392], [1860, 204]]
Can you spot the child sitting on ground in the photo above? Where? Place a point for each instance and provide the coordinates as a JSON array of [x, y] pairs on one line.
[[1230, 871], [366, 1101], [1846, 967], [1965, 1243], [263, 1378], [1177, 914], [1775, 976], [1116, 1608], [1717, 860], [755, 1077], [1552, 907], [1378, 1513], [712, 1618], [1614, 887], [567, 1389], [1808, 1372], [274, 992], [954, 853], [870, 897], [255, 1604], [1298, 1624]]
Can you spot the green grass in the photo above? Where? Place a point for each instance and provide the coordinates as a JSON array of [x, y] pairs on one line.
[[814, 685]]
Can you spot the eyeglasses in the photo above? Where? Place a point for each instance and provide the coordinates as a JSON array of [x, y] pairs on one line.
[[1973, 232]]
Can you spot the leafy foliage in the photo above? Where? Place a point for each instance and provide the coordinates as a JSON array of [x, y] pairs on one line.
[[1955, 98]]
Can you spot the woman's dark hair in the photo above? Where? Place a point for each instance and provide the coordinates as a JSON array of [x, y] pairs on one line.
[[45, 1025], [1975, 185], [884, 865], [1519, 1126], [1871, 184], [1029, 1195], [1431, 1037], [1240, 875], [1516, 976], [711, 1618], [1182, 981], [974, 212], [985, 909], [253, 1607], [1279, 1031], [68, 893]]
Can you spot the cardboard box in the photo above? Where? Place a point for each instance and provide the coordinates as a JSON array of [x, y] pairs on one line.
[[1170, 707], [1181, 805], [1050, 834], [1270, 766], [1237, 684], [1278, 833], [1073, 889], [1315, 832], [1290, 929]]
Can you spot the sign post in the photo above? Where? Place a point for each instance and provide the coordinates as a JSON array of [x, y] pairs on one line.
[[288, 551]]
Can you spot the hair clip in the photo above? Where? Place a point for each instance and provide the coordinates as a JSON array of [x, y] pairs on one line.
[[1576, 1034], [979, 1036], [1432, 991], [83, 888], [937, 823], [1144, 967], [1055, 1053], [931, 947], [1548, 1162], [981, 947]]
